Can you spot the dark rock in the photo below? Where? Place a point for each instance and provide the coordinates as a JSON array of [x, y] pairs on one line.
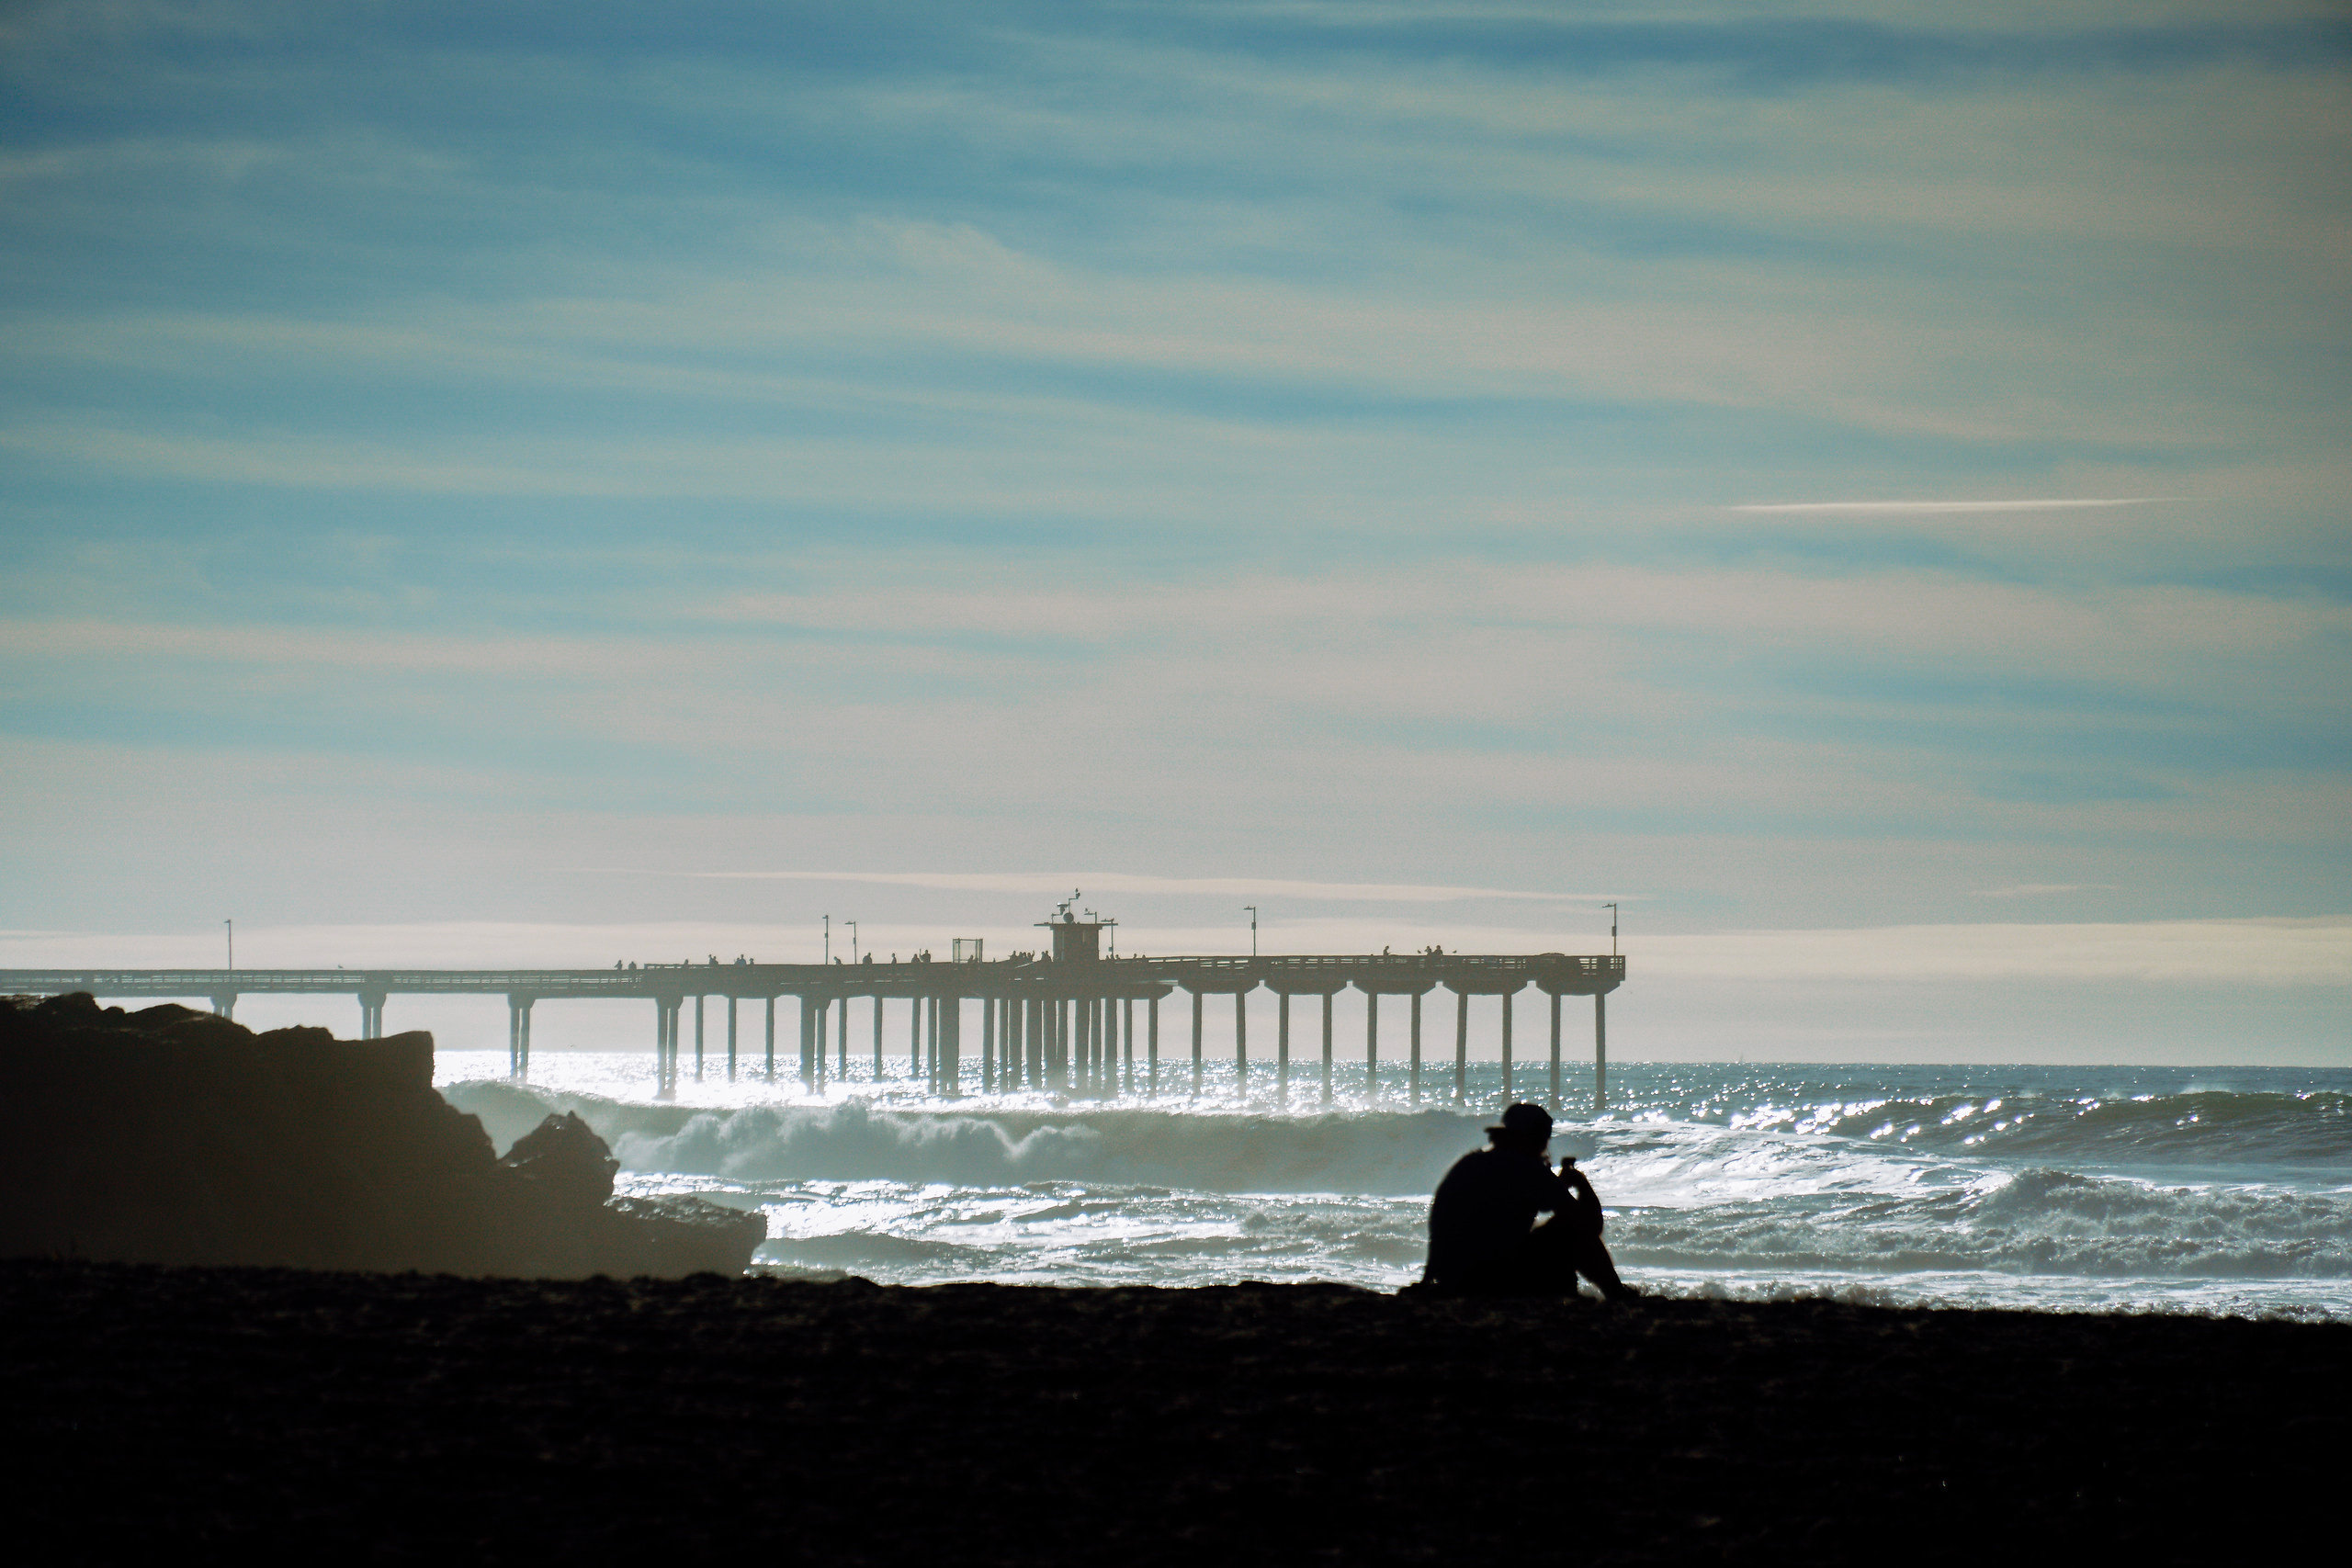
[[564, 1155], [299, 1034], [171, 1136], [673, 1237], [73, 1008], [208, 1029]]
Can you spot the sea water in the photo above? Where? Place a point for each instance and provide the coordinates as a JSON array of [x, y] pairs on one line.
[[2222, 1190]]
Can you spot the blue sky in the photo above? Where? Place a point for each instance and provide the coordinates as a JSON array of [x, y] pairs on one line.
[[468, 473]]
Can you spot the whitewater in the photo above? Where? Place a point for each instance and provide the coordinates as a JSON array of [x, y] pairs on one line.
[[2223, 1191]]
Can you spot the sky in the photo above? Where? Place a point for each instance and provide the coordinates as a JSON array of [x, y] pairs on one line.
[[1861, 486]]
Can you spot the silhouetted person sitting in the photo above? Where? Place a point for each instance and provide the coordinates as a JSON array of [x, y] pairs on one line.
[[1483, 1240]]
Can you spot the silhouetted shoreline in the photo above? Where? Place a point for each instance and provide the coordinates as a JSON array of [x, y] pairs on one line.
[[408, 1415]]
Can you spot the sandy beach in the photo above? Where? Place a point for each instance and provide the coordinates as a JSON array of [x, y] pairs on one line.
[[405, 1416]]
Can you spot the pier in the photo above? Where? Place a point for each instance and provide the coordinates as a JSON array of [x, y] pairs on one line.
[[1064, 1021]]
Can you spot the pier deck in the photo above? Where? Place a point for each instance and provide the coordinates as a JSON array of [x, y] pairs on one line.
[[1058, 1022]]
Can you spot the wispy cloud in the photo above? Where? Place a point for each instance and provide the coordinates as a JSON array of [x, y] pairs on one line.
[[2047, 505], [1059, 883], [2255, 952]]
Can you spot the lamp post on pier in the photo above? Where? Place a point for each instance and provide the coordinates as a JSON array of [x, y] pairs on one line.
[[1253, 929]]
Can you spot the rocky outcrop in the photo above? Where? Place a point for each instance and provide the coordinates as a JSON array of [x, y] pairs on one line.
[[169, 1136]]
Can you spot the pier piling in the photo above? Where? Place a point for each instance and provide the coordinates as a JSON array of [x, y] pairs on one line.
[[1196, 1044], [1241, 1047], [1507, 1095], [1461, 1047], [1600, 1051], [518, 1036], [953, 1057], [1327, 1047], [665, 1045], [1282, 1049], [1555, 1101], [1413, 1080]]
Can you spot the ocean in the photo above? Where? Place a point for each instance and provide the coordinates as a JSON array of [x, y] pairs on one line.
[[2222, 1190]]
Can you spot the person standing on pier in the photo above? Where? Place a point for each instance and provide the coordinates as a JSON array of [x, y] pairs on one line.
[[1483, 1240]]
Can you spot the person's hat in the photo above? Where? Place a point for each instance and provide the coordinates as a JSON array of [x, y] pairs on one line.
[[1527, 1121]]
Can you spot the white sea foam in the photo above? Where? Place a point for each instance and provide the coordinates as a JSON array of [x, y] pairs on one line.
[[2042, 1222], [2061, 1188], [1340, 1152]]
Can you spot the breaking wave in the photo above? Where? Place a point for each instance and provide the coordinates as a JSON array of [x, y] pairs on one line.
[[853, 1141], [1398, 1151], [2087, 1189], [2210, 1127], [2041, 1222]]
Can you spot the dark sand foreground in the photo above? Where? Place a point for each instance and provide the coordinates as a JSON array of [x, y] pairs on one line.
[[188, 1413]]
